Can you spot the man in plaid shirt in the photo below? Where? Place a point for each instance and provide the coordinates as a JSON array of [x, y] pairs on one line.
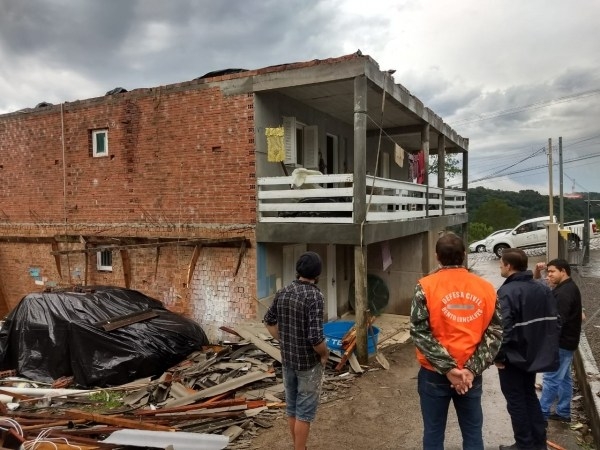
[[296, 319]]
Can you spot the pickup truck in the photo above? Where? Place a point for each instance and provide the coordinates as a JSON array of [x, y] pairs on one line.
[[532, 233]]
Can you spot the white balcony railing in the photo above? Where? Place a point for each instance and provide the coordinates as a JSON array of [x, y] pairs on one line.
[[328, 199]]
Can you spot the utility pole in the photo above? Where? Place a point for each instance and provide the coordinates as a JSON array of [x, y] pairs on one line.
[[550, 194], [561, 214]]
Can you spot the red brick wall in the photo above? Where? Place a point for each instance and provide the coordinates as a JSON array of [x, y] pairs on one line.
[[181, 164], [182, 156]]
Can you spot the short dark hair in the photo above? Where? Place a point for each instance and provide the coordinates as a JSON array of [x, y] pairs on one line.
[[560, 264], [516, 258], [450, 250]]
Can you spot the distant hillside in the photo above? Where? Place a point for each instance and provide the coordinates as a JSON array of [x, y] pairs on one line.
[[531, 203]]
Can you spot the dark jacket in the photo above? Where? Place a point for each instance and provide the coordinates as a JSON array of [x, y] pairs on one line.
[[569, 307], [530, 323]]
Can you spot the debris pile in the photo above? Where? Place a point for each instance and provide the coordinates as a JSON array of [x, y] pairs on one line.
[[218, 397]]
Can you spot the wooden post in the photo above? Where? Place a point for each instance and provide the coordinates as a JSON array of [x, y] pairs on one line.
[[360, 214], [126, 267], [361, 302]]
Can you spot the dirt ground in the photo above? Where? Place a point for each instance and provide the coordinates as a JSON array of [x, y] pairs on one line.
[[372, 414]]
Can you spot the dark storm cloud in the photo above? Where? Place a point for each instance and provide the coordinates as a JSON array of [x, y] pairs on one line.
[[147, 43], [58, 31]]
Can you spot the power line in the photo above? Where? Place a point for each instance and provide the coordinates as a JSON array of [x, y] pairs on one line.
[[596, 155], [535, 105], [493, 175]]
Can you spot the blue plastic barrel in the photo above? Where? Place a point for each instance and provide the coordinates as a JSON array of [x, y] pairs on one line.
[[335, 331]]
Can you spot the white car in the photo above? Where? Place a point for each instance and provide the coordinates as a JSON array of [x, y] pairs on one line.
[[479, 246]]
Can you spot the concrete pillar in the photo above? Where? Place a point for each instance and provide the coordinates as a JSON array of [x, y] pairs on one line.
[[425, 149], [442, 168], [360, 149], [552, 241]]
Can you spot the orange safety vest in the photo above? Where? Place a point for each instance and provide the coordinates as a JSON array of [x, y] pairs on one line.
[[461, 306]]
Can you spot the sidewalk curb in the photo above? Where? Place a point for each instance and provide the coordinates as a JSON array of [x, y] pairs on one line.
[[588, 378]]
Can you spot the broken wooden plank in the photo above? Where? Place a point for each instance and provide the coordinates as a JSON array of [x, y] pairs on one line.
[[247, 334], [240, 255], [193, 262], [57, 259], [115, 420], [229, 385], [126, 267], [128, 319]]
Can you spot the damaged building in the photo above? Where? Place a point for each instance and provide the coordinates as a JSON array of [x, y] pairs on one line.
[[203, 193]]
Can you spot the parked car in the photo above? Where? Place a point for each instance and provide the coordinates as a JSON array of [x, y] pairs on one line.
[[533, 233], [480, 246]]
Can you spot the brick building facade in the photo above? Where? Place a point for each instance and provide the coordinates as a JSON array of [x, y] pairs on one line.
[[172, 190], [179, 164]]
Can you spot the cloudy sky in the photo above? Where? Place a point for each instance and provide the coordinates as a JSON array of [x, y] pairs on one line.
[[507, 74]]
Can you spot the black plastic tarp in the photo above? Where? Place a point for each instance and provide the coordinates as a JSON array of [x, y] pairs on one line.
[[51, 335]]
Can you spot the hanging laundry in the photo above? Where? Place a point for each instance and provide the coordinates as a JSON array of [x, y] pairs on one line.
[[421, 167], [399, 155], [275, 152]]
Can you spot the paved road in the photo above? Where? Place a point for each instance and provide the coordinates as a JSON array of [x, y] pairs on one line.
[[497, 427]]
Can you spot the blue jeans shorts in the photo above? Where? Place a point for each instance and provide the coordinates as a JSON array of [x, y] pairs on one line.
[[302, 392]]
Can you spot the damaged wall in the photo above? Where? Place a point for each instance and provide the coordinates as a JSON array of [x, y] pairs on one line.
[[180, 164]]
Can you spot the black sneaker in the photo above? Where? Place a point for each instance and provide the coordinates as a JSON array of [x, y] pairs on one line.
[[558, 418]]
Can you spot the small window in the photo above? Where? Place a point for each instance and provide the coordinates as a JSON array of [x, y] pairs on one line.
[[100, 143], [104, 262]]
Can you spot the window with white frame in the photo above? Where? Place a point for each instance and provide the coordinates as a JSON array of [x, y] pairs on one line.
[[301, 143], [99, 143], [104, 260]]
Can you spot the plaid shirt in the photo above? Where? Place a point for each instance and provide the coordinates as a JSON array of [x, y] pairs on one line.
[[297, 310]]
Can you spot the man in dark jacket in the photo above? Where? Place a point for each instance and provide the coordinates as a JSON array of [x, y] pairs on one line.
[[529, 345], [558, 385]]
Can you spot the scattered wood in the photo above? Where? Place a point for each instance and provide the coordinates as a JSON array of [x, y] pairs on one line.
[[231, 390]]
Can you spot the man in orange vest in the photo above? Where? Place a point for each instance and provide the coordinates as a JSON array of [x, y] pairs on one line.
[[456, 326]]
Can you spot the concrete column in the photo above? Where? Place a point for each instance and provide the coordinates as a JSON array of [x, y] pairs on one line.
[[465, 187], [360, 149], [425, 149], [442, 167], [552, 242]]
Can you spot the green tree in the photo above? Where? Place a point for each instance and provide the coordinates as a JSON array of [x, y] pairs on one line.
[[478, 231], [497, 214], [452, 166]]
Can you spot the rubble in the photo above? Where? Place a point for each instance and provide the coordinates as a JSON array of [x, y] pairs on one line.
[[218, 397]]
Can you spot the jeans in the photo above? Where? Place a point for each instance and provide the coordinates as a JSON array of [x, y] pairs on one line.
[[518, 387], [435, 393], [302, 392], [558, 385]]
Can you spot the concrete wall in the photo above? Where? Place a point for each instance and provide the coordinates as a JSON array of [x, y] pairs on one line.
[[270, 108], [404, 272]]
